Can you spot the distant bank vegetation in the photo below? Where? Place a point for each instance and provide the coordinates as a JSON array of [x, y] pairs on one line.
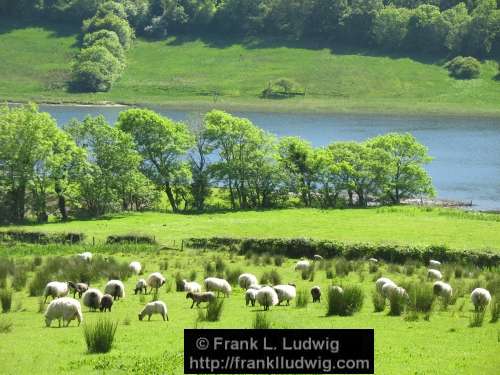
[[92, 168]]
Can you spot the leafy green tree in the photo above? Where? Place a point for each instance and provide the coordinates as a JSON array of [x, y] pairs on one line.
[[327, 17], [359, 23], [454, 24], [163, 145], [107, 39], [113, 23], [424, 29], [406, 176], [484, 28], [391, 27]]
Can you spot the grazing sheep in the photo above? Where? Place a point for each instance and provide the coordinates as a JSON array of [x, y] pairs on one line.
[[85, 256], [434, 264], [245, 280], [388, 289], [267, 297], [316, 294], [317, 257], [135, 267], [55, 289], [92, 298], [302, 265], [201, 297], [255, 286], [156, 307], [481, 298], [155, 281], [379, 284], [79, 288], [106, 303], [434, 274], [373, 260], [285, 293], [250, 296], [141, 286], [115, 288], [214, 284], [338, 289], [191, 286], [64, 308], [443, 290]]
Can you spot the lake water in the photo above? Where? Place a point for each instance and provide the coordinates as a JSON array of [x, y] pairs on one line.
[[466, 151]]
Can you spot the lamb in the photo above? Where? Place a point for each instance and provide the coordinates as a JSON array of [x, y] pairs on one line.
[[201, 297], [191, 286], [106, 303], [155, 281], [317, 257], [434, 264], [285, 293], [115, 288], [214, 284], [302, 265], [79, 288], [316, 294], [267, 297], [55, 289], [480, 298], [135, 267], [443, 290], [85, 256], [245, 280], [92, 298], [379, 284], [156, 307], [64, 308], [434, 274], [141, 286], [250, 296]]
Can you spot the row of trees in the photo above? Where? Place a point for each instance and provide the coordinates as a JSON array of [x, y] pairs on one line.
[[90, 167], [470, 27]]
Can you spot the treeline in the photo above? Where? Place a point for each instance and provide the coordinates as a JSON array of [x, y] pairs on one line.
[[92, 168], [470, 27]]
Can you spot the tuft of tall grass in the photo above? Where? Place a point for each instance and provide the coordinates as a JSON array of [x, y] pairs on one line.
[[495, 309], [344, 303], [476, 318], [397, 304], [302, 298], [261, 321], [343, 267], [372, 267], [6, 299], [193, 275], [19, 278], [100, 335], [279, 260], [378, 301], [421, 299], [329, 274], [232, 275], [220, 265], [5, 324], [179, 282], [213, 312]]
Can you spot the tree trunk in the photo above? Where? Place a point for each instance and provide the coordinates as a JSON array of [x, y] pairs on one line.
[[170, 196], [61, 202]]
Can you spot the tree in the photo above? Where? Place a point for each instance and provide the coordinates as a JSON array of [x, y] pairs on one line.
[[358, 24], [391, 27], [107, 39], [424, 29], [327, 17], [110, 22], [484, 28], [454, 24], [162, 143], [406, 176]]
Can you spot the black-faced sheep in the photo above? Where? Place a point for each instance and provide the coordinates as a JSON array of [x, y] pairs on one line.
[[79, 288], [92, 298], [115, 288], [106, 303], [141, 286], [201, 297], [316, 294]]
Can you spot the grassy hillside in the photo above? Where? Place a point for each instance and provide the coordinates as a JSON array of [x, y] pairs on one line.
[[185, 72], [399, 225]]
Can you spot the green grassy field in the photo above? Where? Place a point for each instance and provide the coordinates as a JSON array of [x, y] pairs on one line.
[[184, 73], [404, 225], [443, 345]]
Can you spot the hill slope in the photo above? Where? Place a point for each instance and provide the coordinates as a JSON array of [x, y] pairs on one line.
[[186, 72]]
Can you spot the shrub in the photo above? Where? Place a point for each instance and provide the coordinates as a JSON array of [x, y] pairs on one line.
[[261, 321], [5, 325], [282, 88], [100, 335], [6, 299], [346, 303], [302, 298], [213, 312], [464, 67], [130, 238], [378, 301], [267, 259]]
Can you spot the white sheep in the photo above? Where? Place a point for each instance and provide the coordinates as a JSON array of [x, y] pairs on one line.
[[255, 286], [388, 289], [251, 296], [141, 286], [85, 256], [435, 264], [285, 293], [64, 308], [480, 298], [55, 289], [156, 307], [379, 284], [267, 297], [338, 289], [214, 284], [115, 288], [434, 274], [92, 298], [155, 281], [135, 267], [443, 290], [373, 260], [302, 265], [317, 257], [245, 280], [191, 286]]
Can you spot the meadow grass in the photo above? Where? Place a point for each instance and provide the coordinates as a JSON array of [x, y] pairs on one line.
[[185, 72], [157, 345], [401, 225]]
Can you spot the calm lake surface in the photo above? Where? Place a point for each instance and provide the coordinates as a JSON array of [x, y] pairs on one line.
[[466, 151]]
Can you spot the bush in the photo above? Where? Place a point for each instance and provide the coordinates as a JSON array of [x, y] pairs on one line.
[[378, 301], [464, 67], [107, 39], [6, 299], [302, 298], [261, 321], [113, 23], [41, 237], [130, 238], [346, 303], [213, 312], [282, 88], [99, 336]]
